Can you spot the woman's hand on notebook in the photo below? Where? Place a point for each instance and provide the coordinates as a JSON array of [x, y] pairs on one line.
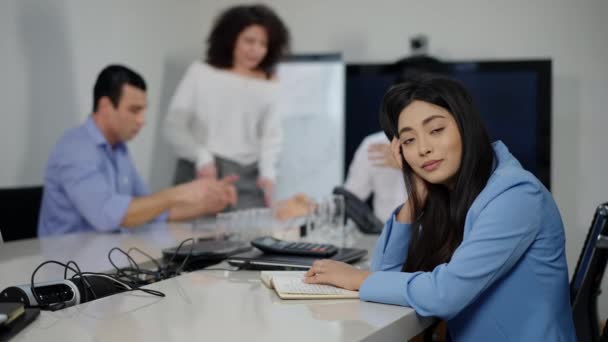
[[336, 273]]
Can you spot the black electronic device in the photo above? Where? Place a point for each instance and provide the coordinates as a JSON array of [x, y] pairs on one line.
[[67, 292], [359, 212], [210, 249], [204, 253], [7, 332], [61, 291], [258, 260], [269, 244]]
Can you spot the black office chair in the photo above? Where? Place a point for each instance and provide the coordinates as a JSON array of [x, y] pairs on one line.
[[20, 210], [587, 279], [604, 337]]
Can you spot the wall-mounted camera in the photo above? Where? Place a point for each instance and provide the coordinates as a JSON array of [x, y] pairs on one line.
[[419, 45]]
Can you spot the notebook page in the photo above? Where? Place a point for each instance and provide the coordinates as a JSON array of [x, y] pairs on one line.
[[294, 285], [267, 276]]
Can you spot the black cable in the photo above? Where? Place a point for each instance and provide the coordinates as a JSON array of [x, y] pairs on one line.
[[39, 299], [131, 287], [88, 284], [85, 282], [131, 273], [159, 267], [82, 275], [129, 258], [180, 268], [179, 247], [134, 273], [120, 271], [137, 271]]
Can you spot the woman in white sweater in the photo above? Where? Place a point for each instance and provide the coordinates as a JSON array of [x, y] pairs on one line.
[[222, 117]]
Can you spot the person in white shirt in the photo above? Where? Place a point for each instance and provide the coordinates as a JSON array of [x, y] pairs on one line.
[[373, 170], [222, 117]]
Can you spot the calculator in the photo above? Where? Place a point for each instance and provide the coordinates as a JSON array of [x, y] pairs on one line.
[[268, 244]]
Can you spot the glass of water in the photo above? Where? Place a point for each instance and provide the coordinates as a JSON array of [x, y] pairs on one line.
[[325, 224]]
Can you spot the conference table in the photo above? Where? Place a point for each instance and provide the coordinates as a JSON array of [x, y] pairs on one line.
[[217, 304]]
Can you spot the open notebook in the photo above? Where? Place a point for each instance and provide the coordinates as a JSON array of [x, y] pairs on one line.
[[289, 285]]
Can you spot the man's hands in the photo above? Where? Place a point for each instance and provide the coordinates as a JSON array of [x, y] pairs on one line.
[[336, 273], [207, 171], [207, 195], [184, 202]]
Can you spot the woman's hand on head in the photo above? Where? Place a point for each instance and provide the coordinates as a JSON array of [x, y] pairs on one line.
[[405, 213], [421, 188], [336, 273]]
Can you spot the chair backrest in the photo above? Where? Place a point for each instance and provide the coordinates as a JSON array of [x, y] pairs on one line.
[[587, 278], [21, 208], [585, 257]]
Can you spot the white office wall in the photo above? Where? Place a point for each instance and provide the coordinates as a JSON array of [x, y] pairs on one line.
[[571, 33], [50, 55]]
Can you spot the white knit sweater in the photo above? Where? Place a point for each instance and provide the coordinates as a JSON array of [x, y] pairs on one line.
[[218, 112]]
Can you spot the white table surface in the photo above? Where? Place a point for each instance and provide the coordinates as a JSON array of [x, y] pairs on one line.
[[202, 305]]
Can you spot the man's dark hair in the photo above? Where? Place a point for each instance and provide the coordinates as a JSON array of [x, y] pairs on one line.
[[232, 22], [110, 81]]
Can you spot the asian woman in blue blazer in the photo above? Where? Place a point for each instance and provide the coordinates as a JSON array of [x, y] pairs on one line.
[[479, 243]]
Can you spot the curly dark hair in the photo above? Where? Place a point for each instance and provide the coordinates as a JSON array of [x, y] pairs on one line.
[[232, 22]]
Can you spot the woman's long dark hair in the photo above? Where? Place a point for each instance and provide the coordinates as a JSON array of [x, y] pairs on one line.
[[233, 21], [439, 222]]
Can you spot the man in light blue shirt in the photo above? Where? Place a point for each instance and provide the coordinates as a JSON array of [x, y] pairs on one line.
[[90, 182]]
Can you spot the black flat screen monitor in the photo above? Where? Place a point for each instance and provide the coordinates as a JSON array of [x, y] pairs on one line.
[[513, 98]]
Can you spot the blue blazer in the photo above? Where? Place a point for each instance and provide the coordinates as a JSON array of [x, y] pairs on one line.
[[508, 279]]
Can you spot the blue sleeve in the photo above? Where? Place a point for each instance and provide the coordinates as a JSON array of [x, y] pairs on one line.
[[93, 195], [164, 217], [500, 235]]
